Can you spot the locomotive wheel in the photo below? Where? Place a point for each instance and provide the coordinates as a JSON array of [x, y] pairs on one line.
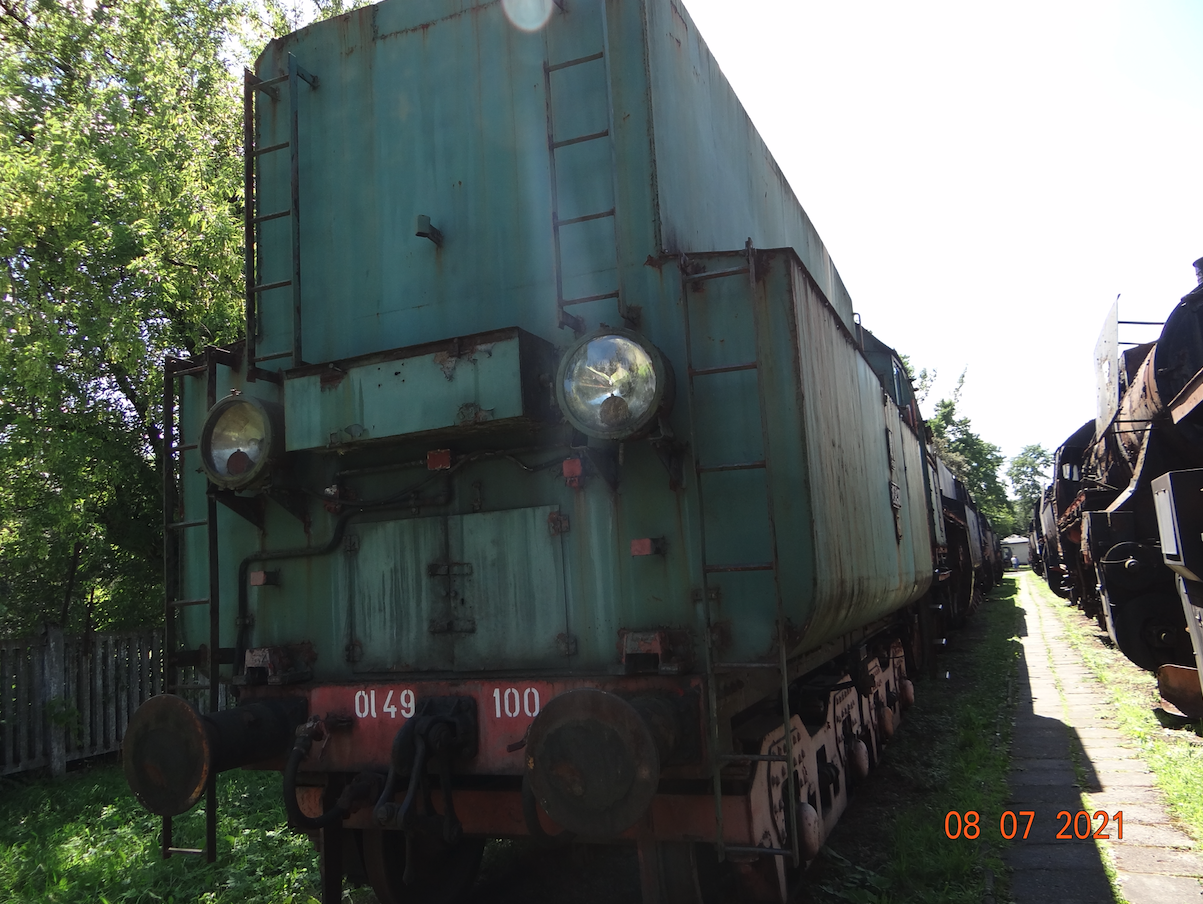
[[1148, 630], [443, 874]]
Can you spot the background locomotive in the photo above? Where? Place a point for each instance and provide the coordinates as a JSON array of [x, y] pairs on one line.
[[539, 499], [1099, 530]]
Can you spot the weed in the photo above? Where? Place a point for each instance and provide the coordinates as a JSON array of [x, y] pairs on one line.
[[85, 838], [950, 753]]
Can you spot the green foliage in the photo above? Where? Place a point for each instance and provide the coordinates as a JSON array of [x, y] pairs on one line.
[[280, 17], [119, 240], [972, 459], [85, 838], [120, 243], [922, 382], [1029, 475]]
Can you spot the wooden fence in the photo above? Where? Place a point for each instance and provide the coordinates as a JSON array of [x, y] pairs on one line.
[[62, 698]]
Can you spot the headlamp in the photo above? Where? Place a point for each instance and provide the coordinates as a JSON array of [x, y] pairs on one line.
[[611, 384], [240, 437]]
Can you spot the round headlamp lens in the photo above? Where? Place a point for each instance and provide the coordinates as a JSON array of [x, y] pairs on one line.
[[610, 386], [237, 442]]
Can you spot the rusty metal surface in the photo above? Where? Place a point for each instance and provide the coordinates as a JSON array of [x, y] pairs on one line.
[[506, 706], [673, 817], [1179, 686], [592, 762], [865, 564], [167, 755]]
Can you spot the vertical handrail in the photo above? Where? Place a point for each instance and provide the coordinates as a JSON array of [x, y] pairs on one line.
[[248, 212], [169, 557], [294, 186], [708, 646]]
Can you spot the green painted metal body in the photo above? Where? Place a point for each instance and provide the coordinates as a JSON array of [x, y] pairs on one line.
[[441, 108]]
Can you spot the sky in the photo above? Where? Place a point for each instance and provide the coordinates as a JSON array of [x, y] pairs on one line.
[[987, 177]]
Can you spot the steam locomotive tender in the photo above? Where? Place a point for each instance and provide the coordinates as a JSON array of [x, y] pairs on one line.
[[539, 500]]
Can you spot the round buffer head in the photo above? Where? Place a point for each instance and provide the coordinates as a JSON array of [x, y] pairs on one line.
[[592, 763], [166, 754]]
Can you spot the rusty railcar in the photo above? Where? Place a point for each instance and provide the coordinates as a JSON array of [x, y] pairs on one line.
[[1100, 514], [540, 498]]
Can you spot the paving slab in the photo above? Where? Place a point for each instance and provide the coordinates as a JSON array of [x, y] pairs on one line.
[[1141, 888], [1062, 707], [1137, 858], [1063, 886]]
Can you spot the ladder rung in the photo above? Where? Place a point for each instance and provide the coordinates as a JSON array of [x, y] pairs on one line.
[[726, 369], [576, 62], [749, 849], [179, 604], [580, 139], [724, 569], [572, 221], [176, 850], [587, 298], [190, 687], [273, 357], [753, 758], [271, 285], [268, 82], [271, 147], [185, 448], [180, 525], [272, 216], [743, 466], [190, 371]]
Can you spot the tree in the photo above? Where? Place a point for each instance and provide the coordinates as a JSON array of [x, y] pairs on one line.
[[972, 459], [1028, 474], [119, 243]]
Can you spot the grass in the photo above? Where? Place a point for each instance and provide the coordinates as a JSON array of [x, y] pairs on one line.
[[85, 838], [951, 753], [1175, 756]]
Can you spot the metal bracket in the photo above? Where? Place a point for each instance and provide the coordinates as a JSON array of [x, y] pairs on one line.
[[252, 508]]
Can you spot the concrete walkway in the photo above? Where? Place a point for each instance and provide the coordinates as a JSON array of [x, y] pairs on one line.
[[1063, 713]]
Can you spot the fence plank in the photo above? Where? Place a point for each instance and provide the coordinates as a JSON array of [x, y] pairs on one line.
[[54, 694], [100, 681], [70, 730], [6, 724], [8, 707], [22, 708], [110, 693]]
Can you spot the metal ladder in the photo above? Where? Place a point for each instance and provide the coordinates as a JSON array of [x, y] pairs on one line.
[[252, 218], [213, 656], [709, 593], [555, 145]]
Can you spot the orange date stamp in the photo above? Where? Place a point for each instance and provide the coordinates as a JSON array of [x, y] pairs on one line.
[[1081, 825]]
